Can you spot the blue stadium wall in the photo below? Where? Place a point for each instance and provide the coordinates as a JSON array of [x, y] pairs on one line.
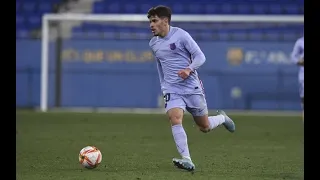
[[122, 73]]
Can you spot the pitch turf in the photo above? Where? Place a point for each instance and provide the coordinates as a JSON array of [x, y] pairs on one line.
[[140, 147]]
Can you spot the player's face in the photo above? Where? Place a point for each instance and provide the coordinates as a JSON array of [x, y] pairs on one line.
[[157, 25]]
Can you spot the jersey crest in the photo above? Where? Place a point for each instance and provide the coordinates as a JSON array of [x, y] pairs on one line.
[[173, 46]]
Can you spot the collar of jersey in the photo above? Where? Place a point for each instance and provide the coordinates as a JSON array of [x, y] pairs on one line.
[[168, 35]]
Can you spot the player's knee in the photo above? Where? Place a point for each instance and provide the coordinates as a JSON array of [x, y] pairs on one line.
[[175, 119], [175, 116]]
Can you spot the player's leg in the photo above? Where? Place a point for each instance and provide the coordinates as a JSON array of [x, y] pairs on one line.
[[207, 123], [301, 83], [197, 106], [302, 104], [175, 108]]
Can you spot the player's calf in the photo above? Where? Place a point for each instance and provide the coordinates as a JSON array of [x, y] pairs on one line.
[[206, 123], [178, 132], [202, 123], [302, 106]]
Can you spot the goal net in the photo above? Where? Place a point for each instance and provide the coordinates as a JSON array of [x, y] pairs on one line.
[[104, 61]]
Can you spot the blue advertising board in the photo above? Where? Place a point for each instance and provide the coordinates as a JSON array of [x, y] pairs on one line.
[[122, 73]]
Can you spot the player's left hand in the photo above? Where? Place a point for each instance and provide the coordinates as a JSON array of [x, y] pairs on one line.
[[184, 74], [301, 62]]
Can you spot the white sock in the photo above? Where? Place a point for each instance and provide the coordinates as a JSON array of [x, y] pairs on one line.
[[215, 121], [180, 138]]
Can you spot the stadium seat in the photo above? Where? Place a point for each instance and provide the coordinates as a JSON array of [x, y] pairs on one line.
[[44, 7], [93, 34], [113, 8], [275, 9], [243, 9], [260, 9], [145, 7], [34, 21], [22, 32], [92, 28], [223, 35], [255, 36], [99, 8], [301, 10], [291, 9], [272, 36], [206, 34], [239, 36], [205, 7], [18, 6], [194, 9], [78, 33], [212, 9], [29, 14], [130, 8], [125, 34], [108, 32], [19, 19], [227, 8], [289, 36], [177, 8], [29, 6], [108, 28]]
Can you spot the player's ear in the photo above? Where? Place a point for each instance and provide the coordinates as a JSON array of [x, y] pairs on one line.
[[166, 20]]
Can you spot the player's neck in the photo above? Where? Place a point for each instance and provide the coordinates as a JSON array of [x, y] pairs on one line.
[[165, 32]]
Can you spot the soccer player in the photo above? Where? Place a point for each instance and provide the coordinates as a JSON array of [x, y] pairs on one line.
[[297, 57], [178, 57]]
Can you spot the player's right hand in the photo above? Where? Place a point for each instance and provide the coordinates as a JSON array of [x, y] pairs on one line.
[[301, 62], [184, 74]]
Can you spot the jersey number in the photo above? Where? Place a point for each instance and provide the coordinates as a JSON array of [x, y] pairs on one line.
[[166, 97]]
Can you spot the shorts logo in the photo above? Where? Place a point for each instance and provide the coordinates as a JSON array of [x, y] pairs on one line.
[[172, 46]]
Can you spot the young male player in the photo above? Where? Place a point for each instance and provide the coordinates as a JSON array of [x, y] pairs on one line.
[[297, 57], [178, 57]]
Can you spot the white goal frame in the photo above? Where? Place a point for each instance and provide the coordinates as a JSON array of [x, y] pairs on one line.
[[136, 18]]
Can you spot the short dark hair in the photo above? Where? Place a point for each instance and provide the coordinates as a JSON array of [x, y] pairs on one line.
[[160, 11]]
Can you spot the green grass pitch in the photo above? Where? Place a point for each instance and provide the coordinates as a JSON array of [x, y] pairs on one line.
[[141, 147]]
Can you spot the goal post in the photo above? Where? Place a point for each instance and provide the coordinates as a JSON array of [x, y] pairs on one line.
[[118, 18]]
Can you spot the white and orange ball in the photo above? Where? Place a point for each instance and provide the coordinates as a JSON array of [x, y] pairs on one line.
[[90, 157]]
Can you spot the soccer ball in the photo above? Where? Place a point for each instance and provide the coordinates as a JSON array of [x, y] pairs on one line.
[[90, 157]]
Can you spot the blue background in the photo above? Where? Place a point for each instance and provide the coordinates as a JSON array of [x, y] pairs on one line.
[[122, 73]]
